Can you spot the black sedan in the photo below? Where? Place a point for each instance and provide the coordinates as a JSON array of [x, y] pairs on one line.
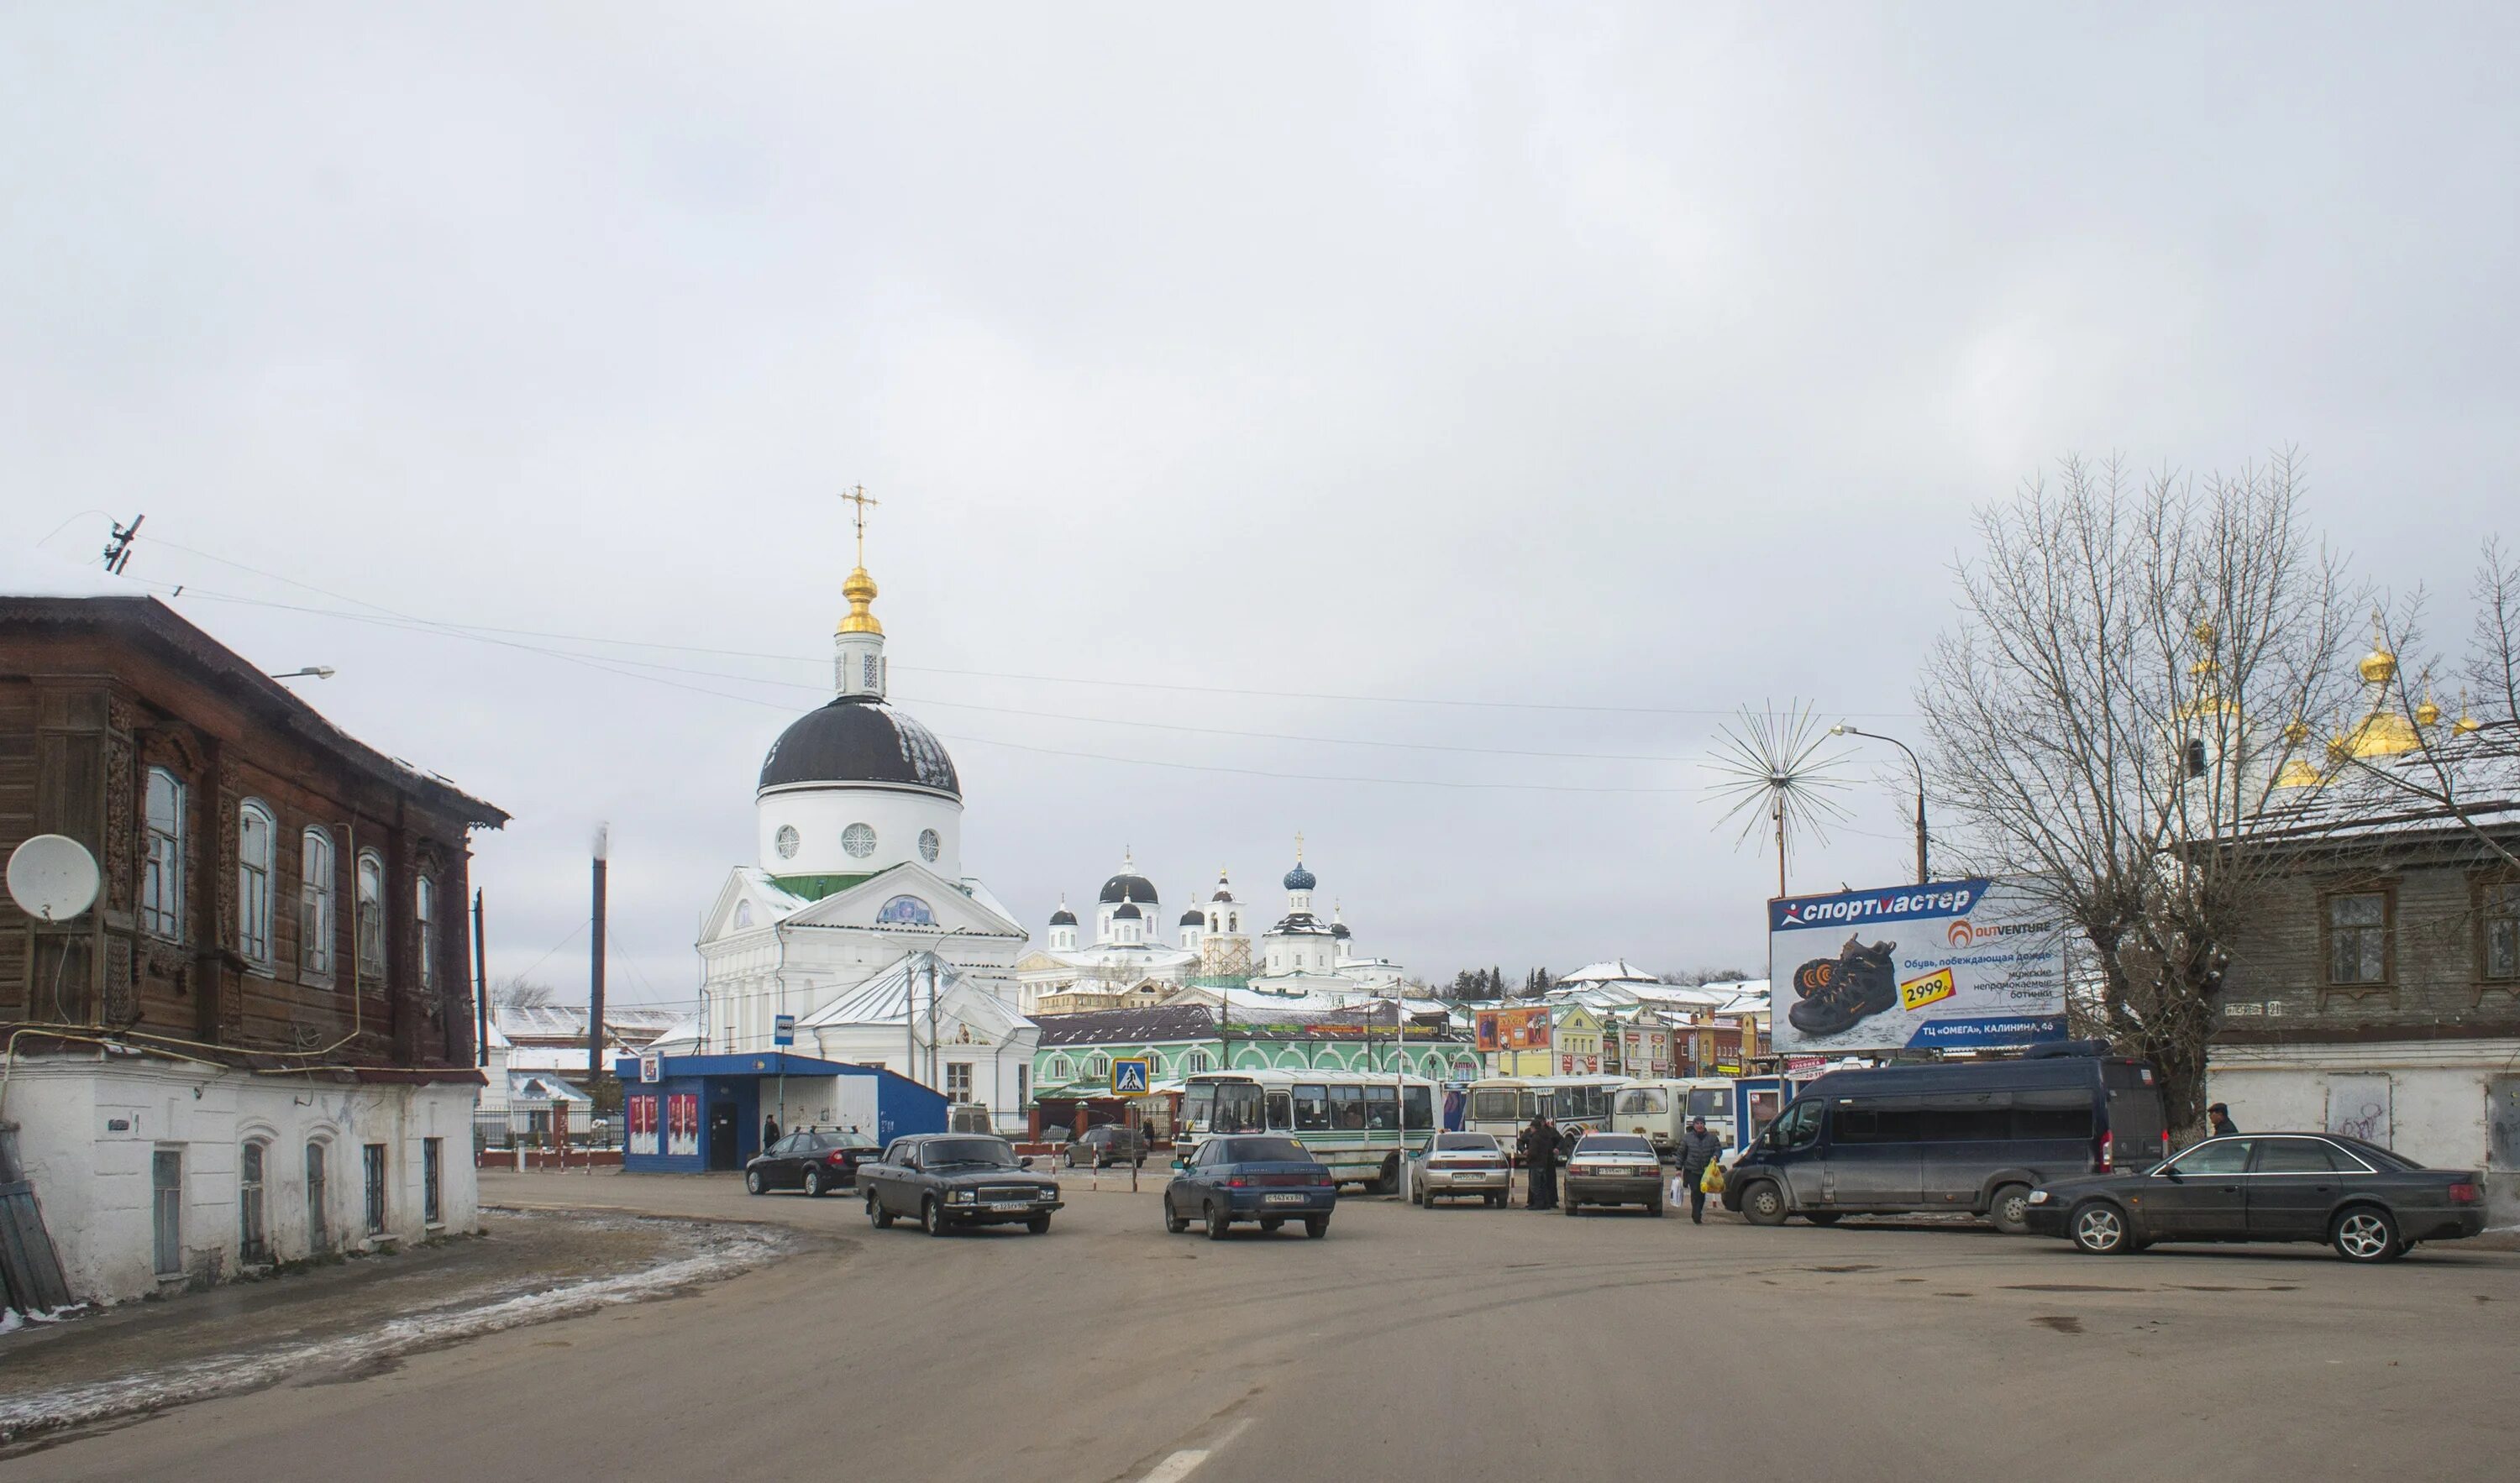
[[949, 1181], [1268, 1180], [809, 1161], [2371, 1205], [1111, 1145]]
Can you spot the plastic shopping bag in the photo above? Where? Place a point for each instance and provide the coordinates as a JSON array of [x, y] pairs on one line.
[[1713, 1181], [1679, 1189]]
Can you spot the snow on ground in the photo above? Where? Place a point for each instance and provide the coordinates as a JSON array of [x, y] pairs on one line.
[[712, 1253]]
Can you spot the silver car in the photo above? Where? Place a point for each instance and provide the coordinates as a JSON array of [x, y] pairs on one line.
[[1458, 1167], [1612, 1169]]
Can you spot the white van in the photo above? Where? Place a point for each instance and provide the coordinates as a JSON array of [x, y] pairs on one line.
[[1660, 1109]]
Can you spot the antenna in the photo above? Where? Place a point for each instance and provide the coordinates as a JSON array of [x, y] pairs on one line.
[[118, 551], [52, 877]]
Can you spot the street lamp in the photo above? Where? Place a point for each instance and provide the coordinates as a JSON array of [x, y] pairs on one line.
[[1841, 729], [311, 671]]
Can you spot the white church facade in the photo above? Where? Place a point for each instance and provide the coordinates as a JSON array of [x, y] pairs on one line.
[[856, 924]]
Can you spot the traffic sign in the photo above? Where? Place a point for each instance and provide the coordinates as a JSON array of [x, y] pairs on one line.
[[783, 1030], [1132, 1075]]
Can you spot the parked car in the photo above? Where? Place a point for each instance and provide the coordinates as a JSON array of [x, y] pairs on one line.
[[1973, 1136], [1235, 1178], [1458, 1167], [2368, 1204], [809, 1161], [1112, 1145], [946, 1181], [1612, 1169]]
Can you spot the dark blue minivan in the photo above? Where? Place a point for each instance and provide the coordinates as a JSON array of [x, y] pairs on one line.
[[1974, 1136]]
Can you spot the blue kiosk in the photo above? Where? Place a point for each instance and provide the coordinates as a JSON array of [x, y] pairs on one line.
[[697, 1114]]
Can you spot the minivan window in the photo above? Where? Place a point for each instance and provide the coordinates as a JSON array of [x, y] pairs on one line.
[[1799, 1125], [1879, 1125], [1965, 1125]]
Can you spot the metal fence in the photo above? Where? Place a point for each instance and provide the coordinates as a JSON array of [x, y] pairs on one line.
[[532, 1129]]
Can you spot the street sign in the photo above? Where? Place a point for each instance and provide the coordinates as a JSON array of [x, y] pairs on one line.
[[1132, 1075], [652, 1067], [783, 1030]]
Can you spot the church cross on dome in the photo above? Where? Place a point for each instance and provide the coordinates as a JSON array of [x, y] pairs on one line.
[[856, 495]]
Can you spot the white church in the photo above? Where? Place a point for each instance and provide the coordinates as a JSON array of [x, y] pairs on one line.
[[856, 919]]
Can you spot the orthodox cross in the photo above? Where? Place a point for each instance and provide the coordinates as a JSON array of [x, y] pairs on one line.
[[857, 495]]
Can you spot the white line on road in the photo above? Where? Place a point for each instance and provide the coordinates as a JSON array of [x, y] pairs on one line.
[[1183, 1464]]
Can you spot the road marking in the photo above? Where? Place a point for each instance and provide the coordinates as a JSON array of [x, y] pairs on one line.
[[1183, 1464]]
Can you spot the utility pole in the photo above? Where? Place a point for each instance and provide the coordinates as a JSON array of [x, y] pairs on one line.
[[594, 965], [481, 985]]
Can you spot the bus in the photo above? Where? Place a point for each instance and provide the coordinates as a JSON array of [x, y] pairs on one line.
[[1661, 1108], [1499, 1105], [1362, 1123]]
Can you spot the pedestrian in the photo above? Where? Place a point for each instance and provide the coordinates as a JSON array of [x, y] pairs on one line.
[[1538, 1147], [2218, 1122], [769, 1130], [1697, 1149]]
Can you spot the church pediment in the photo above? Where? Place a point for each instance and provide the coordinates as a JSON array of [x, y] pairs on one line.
[[911, 900], [746, 902]]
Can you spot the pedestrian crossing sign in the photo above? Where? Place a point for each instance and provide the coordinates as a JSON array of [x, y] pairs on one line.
[[1130, 1075]]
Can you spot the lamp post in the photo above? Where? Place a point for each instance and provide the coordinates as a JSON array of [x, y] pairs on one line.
[[1841, 729]]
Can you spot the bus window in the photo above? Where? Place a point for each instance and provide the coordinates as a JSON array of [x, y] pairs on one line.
[[1237, 1107], [1312, 1110], [1382, 1108], [1707, 1101], [1644, 1101], [1530, 1106], [1198, 1106], [1418, 1106], [1279, 1113], [1347, 1109], [1488, 1106]]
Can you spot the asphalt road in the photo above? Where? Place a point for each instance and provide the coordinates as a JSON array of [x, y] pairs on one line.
[[1456, 1344]]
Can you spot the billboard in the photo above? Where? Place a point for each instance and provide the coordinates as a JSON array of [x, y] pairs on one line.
[[1513, 1029], [1963, 965]]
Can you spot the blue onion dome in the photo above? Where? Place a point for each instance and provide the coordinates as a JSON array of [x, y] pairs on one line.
[[1127, 885], [1338, 929], [1128, 912], [1063, 917], [1300, 879], [1194, 918]]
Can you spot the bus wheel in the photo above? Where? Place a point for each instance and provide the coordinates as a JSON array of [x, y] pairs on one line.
[[1764, 1204], [1388, 1180]]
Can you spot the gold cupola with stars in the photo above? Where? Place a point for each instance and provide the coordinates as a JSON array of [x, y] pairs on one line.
[[2382, 732]]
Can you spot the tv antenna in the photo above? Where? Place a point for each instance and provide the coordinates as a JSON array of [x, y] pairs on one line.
[[118, 551]]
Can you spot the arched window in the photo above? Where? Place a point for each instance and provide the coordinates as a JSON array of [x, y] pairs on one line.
[[253, 1238], [1200, 1060], [370, 909], [1097, 1069], [424, 921], [162, 877], [318, 1229], [255, 830], [315, 902], [1059, 1069]]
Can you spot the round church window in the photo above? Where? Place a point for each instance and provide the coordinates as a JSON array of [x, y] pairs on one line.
[[928, 845], [787, 839], [859, 841]]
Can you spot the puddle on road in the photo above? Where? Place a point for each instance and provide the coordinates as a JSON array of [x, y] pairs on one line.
[[2062, 1322], [2063, 1287], [1955, 1295], [1857, 1267]]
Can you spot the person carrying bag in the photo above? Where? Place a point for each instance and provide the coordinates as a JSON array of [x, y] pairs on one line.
[[1701, 1165]]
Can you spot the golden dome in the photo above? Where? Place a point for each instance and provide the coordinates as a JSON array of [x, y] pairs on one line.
[[2298, 772], [2298, 731], [2378, 667], [2427, 714], [859, 589], [2381, 734], [2466, 724]]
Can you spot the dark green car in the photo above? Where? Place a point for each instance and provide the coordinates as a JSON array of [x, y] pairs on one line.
[[948, 1181]]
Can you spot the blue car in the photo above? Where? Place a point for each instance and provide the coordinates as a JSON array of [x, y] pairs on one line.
[[1268, 1180]]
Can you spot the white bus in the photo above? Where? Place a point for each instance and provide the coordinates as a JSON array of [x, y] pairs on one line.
[[1499, 1105], [1362, 1123], [1661, 1108]]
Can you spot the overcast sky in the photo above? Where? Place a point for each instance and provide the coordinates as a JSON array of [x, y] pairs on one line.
[[1321, 362]]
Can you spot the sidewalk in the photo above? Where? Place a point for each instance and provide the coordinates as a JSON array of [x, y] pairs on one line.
[[334, 1321]]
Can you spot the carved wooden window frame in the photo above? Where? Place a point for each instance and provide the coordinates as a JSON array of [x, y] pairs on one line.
[[169, 918], [2482, 887], [257, 915], [319, 905], [2386, 986]]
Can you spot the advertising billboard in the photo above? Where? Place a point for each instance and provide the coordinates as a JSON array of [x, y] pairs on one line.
[[1513, 1029], [1963, 965]]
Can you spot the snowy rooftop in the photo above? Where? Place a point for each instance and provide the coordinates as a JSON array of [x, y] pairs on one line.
[[1616, 971], [30, 573], [2405, 795]]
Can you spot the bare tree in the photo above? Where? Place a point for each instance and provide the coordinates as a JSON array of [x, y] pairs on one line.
[[2118, 701], [516, 992]]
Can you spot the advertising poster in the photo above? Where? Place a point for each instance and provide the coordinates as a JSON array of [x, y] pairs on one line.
[[641, 1114], [1957, 963], [1513, 1029], [683, 1124]]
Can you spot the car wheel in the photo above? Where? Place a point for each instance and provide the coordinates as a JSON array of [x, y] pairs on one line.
[[1418, 1195], [1569, 1207], [875, 1212], [1316, 1227], [752, 1182], [1174, 1225], [1039, 1224], [2366, 1233], [1822, 1217], [932, 1217], [1764, 1204], [1495, 1201], [2010, 1209], [1654, 1206], [812, 1184], [1218, 1223], [1072, 1158], [2101, 1228]]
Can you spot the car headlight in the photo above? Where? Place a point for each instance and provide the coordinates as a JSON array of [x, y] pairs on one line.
[[959, 1197], [1049, 1193], [2037, 1197]]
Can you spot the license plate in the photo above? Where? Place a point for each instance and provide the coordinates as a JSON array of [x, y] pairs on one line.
[[1283, 1200], [1011, 1204]]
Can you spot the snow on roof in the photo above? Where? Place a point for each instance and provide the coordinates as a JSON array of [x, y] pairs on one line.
[[627, 1025], [26, 572], [2401, 795], [888, 998], [1615, 970], [547, 1058]]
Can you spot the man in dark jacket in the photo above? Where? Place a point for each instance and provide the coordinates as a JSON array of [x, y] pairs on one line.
[[769, 1131], [1697, 1149], [1538, 1147], [2218, 1122]]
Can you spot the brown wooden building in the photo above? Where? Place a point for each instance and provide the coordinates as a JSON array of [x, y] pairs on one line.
[[275, 979]]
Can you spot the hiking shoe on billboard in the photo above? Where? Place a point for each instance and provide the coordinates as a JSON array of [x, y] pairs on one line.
[[1814, 977], [1866, 982]]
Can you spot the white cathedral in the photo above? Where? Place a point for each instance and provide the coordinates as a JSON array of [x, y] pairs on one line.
[[1130, 964], [856, 917]]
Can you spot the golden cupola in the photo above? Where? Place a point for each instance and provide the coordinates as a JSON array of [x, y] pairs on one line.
[[2382, 732], [860, 590]]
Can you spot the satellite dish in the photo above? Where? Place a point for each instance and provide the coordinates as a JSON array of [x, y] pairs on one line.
[[52, 877]]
